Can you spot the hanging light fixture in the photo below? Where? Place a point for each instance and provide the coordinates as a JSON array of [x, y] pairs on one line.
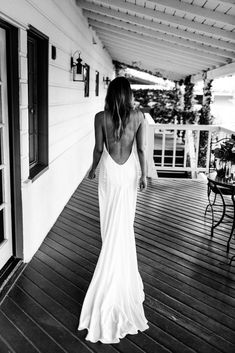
[[77, 67], [106, 80]]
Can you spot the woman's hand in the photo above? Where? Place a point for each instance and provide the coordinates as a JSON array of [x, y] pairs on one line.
[[91, 174], [143, 183]]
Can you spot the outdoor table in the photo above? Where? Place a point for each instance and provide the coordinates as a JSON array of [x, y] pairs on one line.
[[223, 188]]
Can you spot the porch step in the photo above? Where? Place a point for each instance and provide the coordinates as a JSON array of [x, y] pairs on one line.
[[173, 174]]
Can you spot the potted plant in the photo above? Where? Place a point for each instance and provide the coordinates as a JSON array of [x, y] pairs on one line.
[[225, 157]]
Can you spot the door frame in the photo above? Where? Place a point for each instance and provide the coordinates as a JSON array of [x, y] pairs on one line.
[[14, 135]]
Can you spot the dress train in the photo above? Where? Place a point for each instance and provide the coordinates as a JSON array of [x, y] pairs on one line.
[[113, 306]]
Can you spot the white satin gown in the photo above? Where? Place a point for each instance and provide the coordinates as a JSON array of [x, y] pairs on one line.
[[113, 306]]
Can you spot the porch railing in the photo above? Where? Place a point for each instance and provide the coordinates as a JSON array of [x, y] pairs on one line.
[[175, 147]]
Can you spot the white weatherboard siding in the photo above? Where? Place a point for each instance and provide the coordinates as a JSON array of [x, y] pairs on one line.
[[71, 115]]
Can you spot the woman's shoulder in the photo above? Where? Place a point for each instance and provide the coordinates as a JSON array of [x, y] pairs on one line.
[[137, 115], [99, 117]]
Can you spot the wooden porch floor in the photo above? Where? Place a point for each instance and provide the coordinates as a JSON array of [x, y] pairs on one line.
[[189, 286]]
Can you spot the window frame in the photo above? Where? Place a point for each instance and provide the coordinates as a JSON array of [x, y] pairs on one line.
[[12, 42], [97, 83], [42, 66], [86, 69]]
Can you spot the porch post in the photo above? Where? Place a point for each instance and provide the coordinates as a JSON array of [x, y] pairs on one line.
[[119, 68], [190, 118], [188, 94], [205, 117], [179, 101]]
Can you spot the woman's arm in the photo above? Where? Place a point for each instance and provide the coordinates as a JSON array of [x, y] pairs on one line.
[[98, 149], [140, 142]]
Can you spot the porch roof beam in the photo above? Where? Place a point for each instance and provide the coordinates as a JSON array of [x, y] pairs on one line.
[[157, 68], [155, 61], [176, 32], [215, 73], [107, 38], [163, 71], [171, 19], [157, 65], [154, 41], [141, 44], [231, 2], [161, 36], [196, 11]]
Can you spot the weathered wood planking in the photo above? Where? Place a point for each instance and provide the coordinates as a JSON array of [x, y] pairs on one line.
[[189, 286]]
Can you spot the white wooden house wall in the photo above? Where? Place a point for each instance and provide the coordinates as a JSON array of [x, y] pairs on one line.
[[71, 115]]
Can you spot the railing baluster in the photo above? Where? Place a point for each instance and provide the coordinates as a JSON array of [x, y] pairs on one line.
[[163, 146], [186, 147], [208, 152], [191, 146], [197, 149], [174, 149]]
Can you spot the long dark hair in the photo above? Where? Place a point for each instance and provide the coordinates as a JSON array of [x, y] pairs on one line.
[[119, 103]]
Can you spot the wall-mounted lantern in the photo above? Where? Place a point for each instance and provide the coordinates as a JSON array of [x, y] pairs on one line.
[[106, 80], [77, 67]]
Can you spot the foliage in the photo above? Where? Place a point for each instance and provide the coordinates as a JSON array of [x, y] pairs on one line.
[[189, 117], [163, 115], [188, 95], [226, 151], [146, 97], [160, 102], [165, 106], [119, 67], [205, 113], [203, 148], [205, 118]]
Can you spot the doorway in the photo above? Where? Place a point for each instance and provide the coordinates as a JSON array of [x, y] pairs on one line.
[[6, 245], [11, 240]]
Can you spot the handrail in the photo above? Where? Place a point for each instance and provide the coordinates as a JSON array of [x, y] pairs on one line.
[[194, 127], [226, 130], [195, 153]]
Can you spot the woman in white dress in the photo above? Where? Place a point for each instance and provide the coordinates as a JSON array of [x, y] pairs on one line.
[[113, 306]]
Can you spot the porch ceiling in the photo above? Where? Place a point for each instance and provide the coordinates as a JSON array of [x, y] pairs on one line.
[[171, 37]]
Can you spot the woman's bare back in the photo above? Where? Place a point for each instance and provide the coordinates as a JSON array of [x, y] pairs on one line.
[[120, 150]]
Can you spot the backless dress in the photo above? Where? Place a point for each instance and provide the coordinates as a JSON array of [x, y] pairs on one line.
[[113, 305]]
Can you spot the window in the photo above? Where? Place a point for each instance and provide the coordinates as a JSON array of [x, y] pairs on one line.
[[97, 79], [86, 80], [37, 101]]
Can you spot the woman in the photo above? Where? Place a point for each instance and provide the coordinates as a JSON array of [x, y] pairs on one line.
[[113, 306]]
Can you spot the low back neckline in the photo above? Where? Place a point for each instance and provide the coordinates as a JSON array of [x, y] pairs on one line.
[[107, 147], [113, 160]]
